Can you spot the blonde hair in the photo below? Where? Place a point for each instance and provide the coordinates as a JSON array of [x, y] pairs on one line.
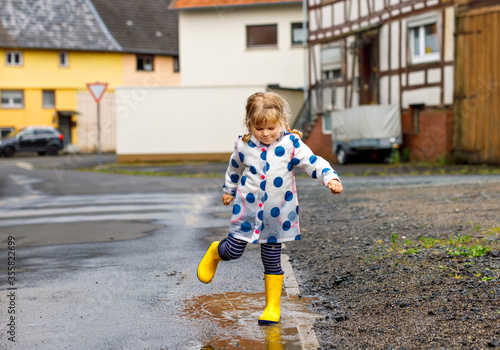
[[267, 107]]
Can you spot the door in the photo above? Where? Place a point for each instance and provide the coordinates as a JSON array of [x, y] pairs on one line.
[[28, 141], [476, 124], [368, 63], [65, 127]]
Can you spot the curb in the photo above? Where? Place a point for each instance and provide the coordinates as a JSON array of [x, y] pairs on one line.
[[308, 338]]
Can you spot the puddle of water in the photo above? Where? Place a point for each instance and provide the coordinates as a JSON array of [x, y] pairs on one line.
[[229, 321]]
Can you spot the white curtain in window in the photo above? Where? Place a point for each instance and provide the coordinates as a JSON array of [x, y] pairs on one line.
[[331, 58]]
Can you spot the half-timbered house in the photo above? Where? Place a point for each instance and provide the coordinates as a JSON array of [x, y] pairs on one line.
[[384, 52]]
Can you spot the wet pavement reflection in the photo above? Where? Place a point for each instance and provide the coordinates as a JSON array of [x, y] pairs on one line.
[[230, 321]]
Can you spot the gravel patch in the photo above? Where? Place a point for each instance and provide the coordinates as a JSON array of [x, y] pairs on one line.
[[402, 267]]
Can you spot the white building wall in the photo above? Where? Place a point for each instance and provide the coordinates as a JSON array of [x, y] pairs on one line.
[[395, 42], [449, 80], [428, 96], [180, 120], [384, 48], [212, 45]]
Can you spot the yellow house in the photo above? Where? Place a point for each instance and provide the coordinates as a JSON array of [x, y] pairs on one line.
[[47, 65]]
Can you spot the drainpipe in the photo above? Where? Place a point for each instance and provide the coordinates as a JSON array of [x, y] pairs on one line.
[[304, 44]]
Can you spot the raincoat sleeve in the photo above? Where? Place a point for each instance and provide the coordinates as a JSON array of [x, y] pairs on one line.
[[233, 172], [315, 166]]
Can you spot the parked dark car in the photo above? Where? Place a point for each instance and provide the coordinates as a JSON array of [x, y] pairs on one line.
[[41, 139]]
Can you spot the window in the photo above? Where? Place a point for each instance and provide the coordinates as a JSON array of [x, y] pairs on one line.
[[49, 99], [262, 36], [13, 58], [331, 63], [145, 63], [12, 99], [415, 111], [63, 59], [327, 123], [298, 34], [176, 64], [6, 131], [423, 39]]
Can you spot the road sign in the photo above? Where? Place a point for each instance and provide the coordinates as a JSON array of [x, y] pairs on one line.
[[97, 90]]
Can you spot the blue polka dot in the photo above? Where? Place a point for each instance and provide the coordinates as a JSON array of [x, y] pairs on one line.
[[279, 151], [286, 225], [242, 156], [236, 209], [253, 170], [292, 216], [295, 161], [313, 175], [290, 167], [267, 166], [243, 180], [255, 242], [230, 235], [297, 210], [313, 159], [235, 178], [272, 239], [297, 238], [296, 143], [260, 215], [251, 144], [292, 137], [246, 226], [325, 170], [265, 197], [263, 185], [275, 212], [250, 198], [263, 155], [234, 163], [262, 227], [278, 182], [288, 196]]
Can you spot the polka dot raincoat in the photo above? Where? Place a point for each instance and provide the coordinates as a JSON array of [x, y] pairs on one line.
[[261, 178]]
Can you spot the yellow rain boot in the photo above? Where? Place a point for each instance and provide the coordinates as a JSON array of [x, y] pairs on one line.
[[208, 265], [272, 313]]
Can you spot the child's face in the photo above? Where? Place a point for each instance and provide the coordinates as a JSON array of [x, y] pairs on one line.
[[268, 133]]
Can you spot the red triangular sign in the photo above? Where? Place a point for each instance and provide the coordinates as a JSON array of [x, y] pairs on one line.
[[97, 90]]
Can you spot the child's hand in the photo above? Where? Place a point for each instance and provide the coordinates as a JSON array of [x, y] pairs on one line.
[[335, 186], [227, 198]]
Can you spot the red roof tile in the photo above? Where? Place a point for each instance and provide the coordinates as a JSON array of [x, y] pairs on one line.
[[189, 4]]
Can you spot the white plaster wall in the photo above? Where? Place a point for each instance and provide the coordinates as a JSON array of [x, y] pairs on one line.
[[404, 37], [427, 96], [434, 75], [316, 68], [384, 48], [448, 84], [179, 120], [384, 90], [338, 13], [212, 45], [416, 78], [449, 29], [395, 89], [395, 42], [326, 16]]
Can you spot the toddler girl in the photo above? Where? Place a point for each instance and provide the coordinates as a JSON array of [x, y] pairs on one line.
[[260, 179]]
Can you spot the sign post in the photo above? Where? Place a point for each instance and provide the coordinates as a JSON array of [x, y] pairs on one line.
[[97, 91]]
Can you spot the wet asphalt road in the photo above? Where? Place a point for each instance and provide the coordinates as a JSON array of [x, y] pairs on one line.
[[108, 261]]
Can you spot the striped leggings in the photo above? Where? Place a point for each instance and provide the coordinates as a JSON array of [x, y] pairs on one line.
[[231, 248]]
